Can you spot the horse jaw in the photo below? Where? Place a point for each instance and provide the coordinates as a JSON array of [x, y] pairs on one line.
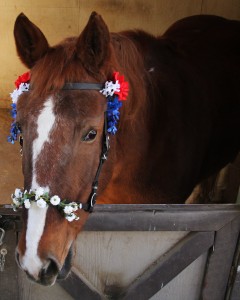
[[66, 268]]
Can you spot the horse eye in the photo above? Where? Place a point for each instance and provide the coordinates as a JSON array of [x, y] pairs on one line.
[[90, 136]]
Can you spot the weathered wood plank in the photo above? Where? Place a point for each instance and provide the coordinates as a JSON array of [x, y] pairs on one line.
[[156, 217], [112, 260], [233, 289], [187, 284], [222, 218], [220, 262], [77, 288], [31, 291], [6, 209], [170, 265], [161, 217], [234, 286], [235, 294], [9, 277]]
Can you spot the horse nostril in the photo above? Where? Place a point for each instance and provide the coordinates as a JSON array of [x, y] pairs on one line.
[[48, 273]]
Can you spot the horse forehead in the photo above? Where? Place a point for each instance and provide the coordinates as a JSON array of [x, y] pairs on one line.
[[45, 122], [44, 125]]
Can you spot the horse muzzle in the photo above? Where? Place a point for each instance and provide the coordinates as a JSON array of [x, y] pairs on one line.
[[50, 270]]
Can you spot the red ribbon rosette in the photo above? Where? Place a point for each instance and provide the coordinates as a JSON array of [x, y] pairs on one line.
[[124, 87], [24, 78]]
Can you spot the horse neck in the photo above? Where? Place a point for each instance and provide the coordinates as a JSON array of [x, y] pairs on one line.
[[129, 147], [129, 51], [129, 55]]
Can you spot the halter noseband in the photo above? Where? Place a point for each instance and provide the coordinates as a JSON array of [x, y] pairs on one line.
[[88, 207]]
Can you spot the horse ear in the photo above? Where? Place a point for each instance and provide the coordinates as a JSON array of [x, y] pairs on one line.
[[93, 43], [30, 42]]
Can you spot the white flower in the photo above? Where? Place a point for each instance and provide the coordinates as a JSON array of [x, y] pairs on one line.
[[39, 192], [68, 209], [23, 87], [55, 200], [14, 95], [74, 206], [16, 202], [72, 217], [41, 203], [27, 203], [18, 193], [110, 88]]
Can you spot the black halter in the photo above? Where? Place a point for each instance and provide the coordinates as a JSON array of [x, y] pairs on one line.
[[88, 207]]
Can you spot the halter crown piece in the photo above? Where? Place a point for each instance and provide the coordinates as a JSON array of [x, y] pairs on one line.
[[115, 92]]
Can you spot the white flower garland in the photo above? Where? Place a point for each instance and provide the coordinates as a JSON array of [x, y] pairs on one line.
[[42, 199]]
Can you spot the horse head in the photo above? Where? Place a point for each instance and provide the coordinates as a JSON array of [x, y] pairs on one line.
[[64, 139]]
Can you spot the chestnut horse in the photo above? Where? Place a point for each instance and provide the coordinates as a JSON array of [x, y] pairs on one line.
[[179, 124]]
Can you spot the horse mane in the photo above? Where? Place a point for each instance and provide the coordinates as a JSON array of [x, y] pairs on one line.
[[130, 62]]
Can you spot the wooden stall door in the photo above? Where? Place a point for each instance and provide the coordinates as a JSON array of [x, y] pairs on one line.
[[157, 252]]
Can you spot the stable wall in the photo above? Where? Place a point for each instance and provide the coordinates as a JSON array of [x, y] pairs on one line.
[[61, 18]]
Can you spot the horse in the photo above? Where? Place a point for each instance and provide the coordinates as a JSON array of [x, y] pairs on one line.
[[177, 126]]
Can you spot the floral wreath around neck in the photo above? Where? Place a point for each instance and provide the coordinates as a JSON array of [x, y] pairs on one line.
[[115, 91]]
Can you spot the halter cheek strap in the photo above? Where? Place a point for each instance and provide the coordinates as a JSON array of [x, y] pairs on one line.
[[88, 207], [104, 154]]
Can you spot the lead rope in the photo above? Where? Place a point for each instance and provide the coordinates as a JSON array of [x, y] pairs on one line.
[[88, 207]]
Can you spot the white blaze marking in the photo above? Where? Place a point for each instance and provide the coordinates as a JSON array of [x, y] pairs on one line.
[[45, 123], [36, 222], [37, 216]]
